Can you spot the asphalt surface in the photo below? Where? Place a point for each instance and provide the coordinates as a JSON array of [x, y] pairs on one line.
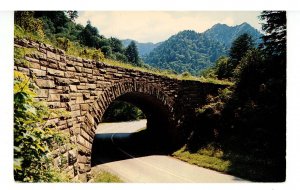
[[134, 158]]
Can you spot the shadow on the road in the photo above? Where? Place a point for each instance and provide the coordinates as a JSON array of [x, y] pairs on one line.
[[109, 147]]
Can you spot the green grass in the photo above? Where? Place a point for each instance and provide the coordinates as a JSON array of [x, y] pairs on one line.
[[166, 73], [102, 176], [249, 167], [205, 157]]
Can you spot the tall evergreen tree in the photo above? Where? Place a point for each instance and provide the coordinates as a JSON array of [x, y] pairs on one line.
[[132, 54], [238, 50], [275, 29], [89, 36], [239, 47]]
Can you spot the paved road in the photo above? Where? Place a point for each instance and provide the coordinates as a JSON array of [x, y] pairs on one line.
[[119, 158]]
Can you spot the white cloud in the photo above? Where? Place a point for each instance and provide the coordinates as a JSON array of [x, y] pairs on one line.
[[157, 26]]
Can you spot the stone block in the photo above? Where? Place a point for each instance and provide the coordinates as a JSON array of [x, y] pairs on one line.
[[75, 113], [42, 93], [84, 107], [62, 65], [74, 81], [38, 72], [70, 69], [64, 97], [55, 72], [73, 88], [79, 100], [86, 70], [80, 119], [78, 68], [62, 81], [88, 65], [54, 98], [44, 83], [81, 87], [69, 74], [52, 55], [91, 86], [53, 105], [34, 65], [83, 79], [82, 159], [72, 107]]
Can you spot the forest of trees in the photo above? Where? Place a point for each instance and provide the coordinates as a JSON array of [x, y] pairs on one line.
[[248, 118], [187, 51], [60, 29]]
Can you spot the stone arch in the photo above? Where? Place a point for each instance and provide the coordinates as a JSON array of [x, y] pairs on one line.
[[96, 110], [111, 93]]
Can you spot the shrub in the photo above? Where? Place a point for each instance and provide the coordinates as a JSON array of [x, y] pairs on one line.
[[33, 138]]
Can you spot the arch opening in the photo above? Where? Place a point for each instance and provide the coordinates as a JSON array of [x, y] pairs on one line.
[[153, 140]]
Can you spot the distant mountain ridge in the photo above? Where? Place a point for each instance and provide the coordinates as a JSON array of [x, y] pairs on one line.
[[186, 51], [190, 51]]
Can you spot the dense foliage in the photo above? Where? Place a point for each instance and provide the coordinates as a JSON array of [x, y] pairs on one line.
[[34, 137], [249, 119], [186, 51], [122, 111]]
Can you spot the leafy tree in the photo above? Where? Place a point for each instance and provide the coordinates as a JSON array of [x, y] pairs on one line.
[[72, 15], [89, 36], [240, 46], [132, 54], [116, 45], [222, 68], [275, 29], [26, 20], [58, 18], [121, 57]]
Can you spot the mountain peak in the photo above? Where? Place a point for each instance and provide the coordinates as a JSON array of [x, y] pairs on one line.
[[219, 25], [227, 34], [244, 24]]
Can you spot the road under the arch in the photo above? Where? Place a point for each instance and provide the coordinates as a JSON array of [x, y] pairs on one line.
[[120, 150]]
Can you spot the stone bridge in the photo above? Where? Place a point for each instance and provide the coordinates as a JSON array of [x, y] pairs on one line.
[[86, 88]]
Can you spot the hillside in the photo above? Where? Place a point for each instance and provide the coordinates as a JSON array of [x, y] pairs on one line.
[[191, 51], [186, 51]]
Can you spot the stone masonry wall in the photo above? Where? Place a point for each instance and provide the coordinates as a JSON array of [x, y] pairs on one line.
[[85, 88]]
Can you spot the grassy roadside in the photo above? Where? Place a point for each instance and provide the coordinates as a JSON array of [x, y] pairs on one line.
[[244, 166], [101, 176]]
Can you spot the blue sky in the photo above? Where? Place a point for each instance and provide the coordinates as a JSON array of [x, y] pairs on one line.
[[156, 26]]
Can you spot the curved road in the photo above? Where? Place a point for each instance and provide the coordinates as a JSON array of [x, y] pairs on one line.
[[144, 168]]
